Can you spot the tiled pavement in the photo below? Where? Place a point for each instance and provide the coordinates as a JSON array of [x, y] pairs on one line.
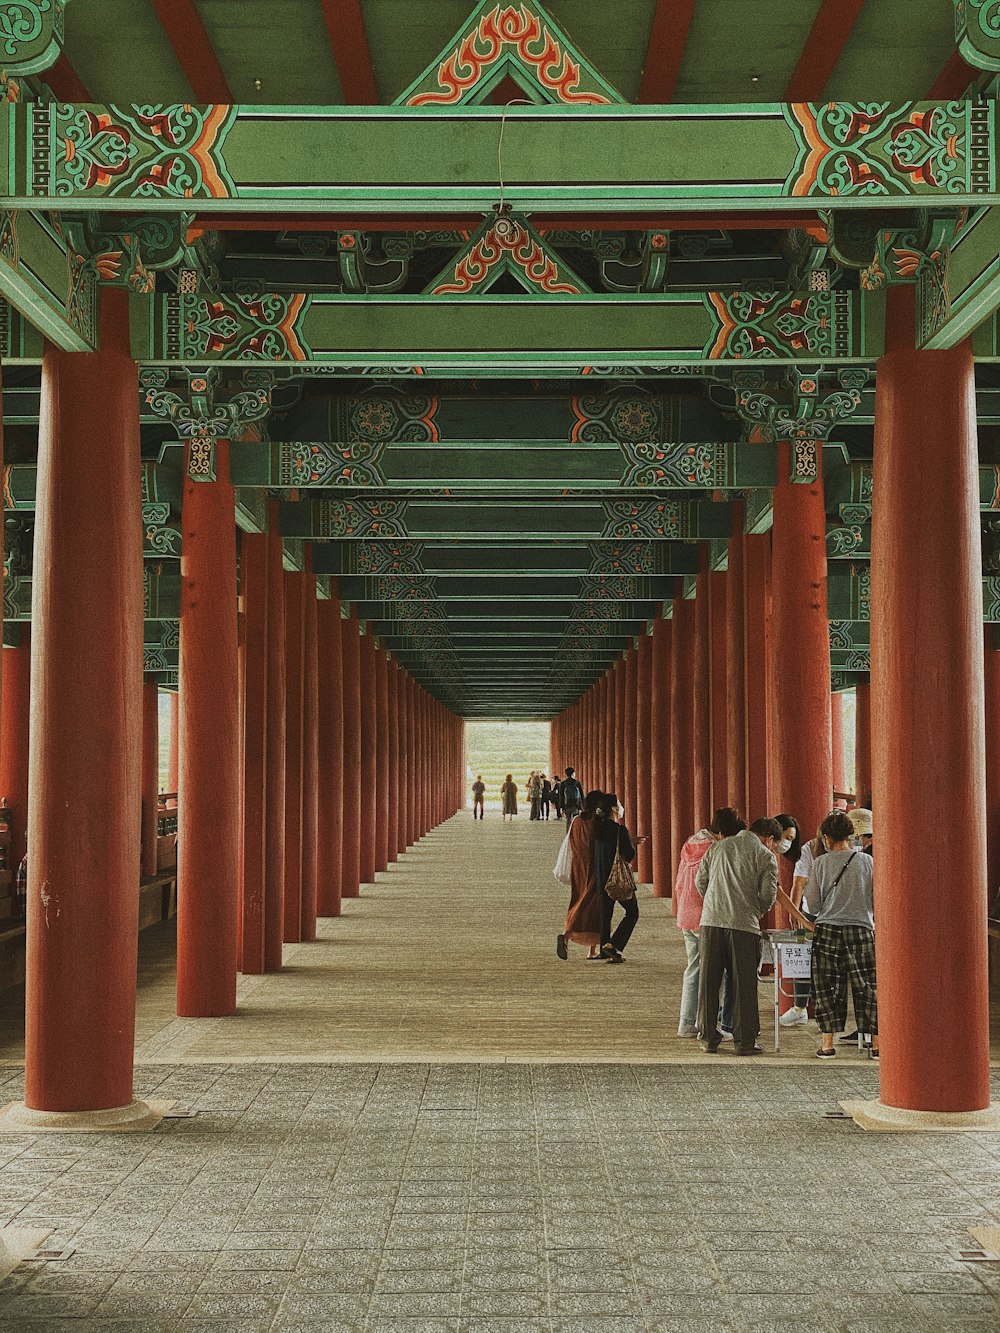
[[591, 1199], [416, 1126]]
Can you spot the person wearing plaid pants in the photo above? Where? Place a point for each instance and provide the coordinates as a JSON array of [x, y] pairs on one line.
[[839, 895]]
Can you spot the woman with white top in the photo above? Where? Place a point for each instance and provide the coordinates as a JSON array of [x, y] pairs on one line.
[[839, 895]]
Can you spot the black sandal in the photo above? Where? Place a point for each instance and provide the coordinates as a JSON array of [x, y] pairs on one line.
[[561, 950]]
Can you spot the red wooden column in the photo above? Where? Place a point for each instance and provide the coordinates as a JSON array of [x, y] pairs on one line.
[[295, 613], [621, 729], [629, 796], [351, 794], [310, 756], [208, 817], [801, 774], [736, 740], [682, 814], [839, 766], [86, 737], [150, 773], [701, 697], [717, 588], [756, 609], [661, 779], [367, 795], [991, 657], [392, 692], [330, 774], [14, 710], [403, 787], [380, 793], [274, 773], [610, 727], [927, 678], [863, 740], [253, 750], [644, 759], [173, 760]]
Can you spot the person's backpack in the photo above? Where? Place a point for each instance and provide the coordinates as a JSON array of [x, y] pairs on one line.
[[571, 792]]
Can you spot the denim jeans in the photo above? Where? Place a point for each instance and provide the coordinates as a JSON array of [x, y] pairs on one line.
[[689, 987]]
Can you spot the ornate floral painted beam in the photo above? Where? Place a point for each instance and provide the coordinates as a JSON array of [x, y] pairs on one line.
[[962, 290], [555, 158], [533, 467], [510, 334], [31, 36], [977, 32]]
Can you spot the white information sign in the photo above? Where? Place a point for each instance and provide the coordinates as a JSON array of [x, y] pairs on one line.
[[795, 961]]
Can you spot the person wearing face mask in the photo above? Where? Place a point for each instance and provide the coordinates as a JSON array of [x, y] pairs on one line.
[[799, 857], [725, 823], [839, 894], [738, 881]]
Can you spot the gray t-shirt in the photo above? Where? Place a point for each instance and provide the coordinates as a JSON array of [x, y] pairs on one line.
[[851, 903]]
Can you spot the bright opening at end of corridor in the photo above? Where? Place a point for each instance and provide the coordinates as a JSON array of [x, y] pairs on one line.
[[494, 749]]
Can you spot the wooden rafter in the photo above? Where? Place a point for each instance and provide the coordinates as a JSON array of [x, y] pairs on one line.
[[954, 78], [345, 24], [667, 39], [186, 33], [827, 38], [64, 81]]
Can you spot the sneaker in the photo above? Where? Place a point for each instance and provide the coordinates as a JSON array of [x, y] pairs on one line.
[[709, 1047], [872, 1052], [749, 1050], [794, 1017], [824, 1054], [849, 1036], [725, 1034], [687, 1030]]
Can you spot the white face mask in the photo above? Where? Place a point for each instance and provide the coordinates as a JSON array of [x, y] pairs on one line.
[[783, 845]]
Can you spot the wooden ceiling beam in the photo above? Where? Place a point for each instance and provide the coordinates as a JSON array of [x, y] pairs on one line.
[[824, 46], [186, 33], [667, 39], [352, 55]]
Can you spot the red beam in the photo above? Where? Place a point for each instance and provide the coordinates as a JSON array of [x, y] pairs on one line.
[[826, 41], [64, 81], [471, 221], [345, 24], [667, 39], [953, 80], [186, 33]]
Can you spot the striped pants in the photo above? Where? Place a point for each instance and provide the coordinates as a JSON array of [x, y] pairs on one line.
[[839, 953]]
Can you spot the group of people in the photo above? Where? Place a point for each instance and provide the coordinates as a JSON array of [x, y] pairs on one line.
[[727, 880], [564, 795], [596, 839]]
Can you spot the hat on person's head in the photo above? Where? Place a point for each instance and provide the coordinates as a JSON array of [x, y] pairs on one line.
[[862, 821], [840, 805]]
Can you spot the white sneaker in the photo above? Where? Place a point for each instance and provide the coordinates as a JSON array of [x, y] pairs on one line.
[[794, 1017], [687, 1030], [725, 1035]]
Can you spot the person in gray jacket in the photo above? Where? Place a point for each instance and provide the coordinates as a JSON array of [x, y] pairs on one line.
[[738, 880]]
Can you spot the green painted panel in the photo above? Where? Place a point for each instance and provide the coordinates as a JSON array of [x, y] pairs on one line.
[[973, 283], [405, 37], [284, 45], [728, 43], [896, 50], [122, 54]]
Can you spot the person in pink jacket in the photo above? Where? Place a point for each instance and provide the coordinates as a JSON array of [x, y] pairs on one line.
[[689, 901]]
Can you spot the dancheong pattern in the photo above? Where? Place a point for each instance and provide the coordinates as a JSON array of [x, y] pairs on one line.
[[387, 417], [263, 327], [360, 518], [500, 35], [876, 148], [306, 463], [151, 152], [642, 518], [395, 559], [522, 253], [697, 465], [31, 34], [622, 558], [780, 325], [618, 419]]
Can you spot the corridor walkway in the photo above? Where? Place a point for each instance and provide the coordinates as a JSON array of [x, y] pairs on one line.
[[415, 1129]]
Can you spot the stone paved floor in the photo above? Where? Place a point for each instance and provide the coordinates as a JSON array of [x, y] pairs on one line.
[[418, 1126]]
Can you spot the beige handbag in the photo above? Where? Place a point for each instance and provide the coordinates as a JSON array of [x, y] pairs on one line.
[[621, 881]]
